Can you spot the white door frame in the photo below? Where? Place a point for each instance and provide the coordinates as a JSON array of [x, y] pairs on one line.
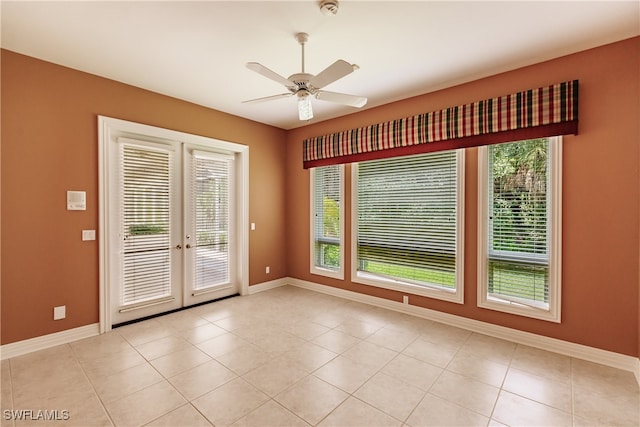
[[109, 128]]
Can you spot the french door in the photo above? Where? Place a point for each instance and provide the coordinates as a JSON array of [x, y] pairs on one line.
[[172, 210]]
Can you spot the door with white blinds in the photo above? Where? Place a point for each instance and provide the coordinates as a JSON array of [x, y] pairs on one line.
[[208, 220], [173, 215], [145, 262]]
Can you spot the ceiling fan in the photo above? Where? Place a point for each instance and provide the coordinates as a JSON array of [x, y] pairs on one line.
[[304, 85]]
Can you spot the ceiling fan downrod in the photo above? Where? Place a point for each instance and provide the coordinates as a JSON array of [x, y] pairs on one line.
[[302, 38]]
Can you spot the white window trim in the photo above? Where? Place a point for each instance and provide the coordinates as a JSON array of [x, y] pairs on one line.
[[457, 295], [314, 269], [551, 314]]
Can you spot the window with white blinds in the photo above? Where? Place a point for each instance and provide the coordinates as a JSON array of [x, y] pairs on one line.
[[409, 224], [327, 184], [520, 240], [145, 220], [211, 192]]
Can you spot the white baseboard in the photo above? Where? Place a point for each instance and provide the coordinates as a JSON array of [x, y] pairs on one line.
[[579, 351], [46, 341], [265, 286]]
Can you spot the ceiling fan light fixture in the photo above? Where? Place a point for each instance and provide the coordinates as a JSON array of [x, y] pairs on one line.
[[329, 7], [305, 112]]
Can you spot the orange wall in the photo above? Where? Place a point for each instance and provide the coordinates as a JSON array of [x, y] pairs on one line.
[[50, 145], [600, 289]]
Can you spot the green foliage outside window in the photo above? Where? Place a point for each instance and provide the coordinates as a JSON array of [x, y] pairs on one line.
[[146, 229], [329, 252], [446, 279], [519, 219], [519, 211], [331, 220]]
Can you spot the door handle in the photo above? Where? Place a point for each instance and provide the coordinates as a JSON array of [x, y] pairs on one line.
[[178, 246], [188, 246]]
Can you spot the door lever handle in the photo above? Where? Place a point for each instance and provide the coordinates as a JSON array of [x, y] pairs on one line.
[[188, 246], [178, 246]]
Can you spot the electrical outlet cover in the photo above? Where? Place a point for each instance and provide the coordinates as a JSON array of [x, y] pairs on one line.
[[59, 312]]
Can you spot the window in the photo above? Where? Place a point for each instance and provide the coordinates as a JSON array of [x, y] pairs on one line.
[[519, 228], [408, 224], [327, 183]]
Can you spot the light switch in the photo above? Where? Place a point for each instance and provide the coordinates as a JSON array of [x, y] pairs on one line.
[[253, 226], [88, 235]]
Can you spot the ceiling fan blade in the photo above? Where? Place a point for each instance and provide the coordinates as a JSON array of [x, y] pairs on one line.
[[268, 98], [342, 98], [333, 72], [261, 69]]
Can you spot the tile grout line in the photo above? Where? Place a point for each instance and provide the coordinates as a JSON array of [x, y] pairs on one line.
[[360, 340], [501, 388], [13, 404], [93, 388], [446, 370], [572, 388], [386, 364], [434, 381]]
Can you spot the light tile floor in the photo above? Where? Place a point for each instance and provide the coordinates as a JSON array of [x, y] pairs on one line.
[[292, 357]]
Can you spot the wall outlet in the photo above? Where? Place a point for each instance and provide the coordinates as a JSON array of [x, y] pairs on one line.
[[405, 299], [267, 270], [59, 312]]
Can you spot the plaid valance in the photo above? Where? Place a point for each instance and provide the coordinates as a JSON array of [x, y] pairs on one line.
[[536, 113]]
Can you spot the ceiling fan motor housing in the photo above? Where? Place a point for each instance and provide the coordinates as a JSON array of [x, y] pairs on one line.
[[302, 81]]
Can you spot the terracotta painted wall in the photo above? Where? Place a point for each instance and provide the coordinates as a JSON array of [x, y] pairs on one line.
[[600, 290], [50, 145]]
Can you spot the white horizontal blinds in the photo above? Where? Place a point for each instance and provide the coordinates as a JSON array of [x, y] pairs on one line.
[[211, 189], [518, 227], [327, 216], [146, 223], [407, 218]]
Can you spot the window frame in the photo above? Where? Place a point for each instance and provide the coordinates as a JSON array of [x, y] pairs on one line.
[[407, 287], [554, 226], [314, 268]]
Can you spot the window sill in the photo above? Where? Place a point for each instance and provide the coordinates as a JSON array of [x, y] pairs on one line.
[[334, 274], [505, 306], [450, 295]]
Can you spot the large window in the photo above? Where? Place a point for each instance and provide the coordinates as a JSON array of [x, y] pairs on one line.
[[327, 255], [519, 228], [407, 224]]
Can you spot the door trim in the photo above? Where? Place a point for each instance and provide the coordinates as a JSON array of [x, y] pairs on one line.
[[109, 128]]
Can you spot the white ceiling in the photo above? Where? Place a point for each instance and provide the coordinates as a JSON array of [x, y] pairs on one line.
[[197, 51]]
